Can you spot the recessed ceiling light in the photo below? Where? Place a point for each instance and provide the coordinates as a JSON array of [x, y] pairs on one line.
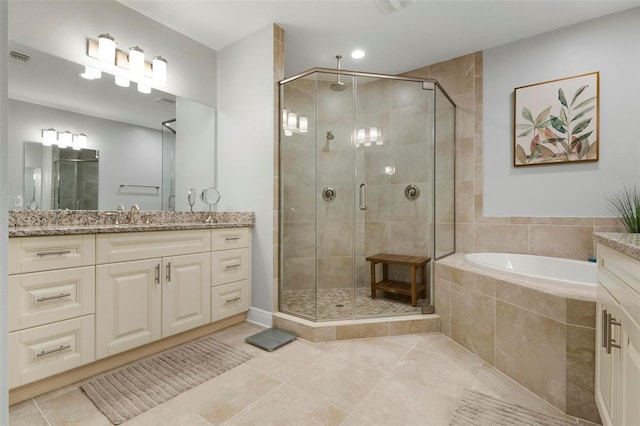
[[357, 54]]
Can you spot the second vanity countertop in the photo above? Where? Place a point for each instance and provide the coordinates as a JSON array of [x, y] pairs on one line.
[[628, 244], [57, 222]]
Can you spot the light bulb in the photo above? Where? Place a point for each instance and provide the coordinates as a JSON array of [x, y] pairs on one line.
[[284, 117], [288, 132], [361, 136], [90, 73], [373, 134], [159, 68], [304, 124], [64, 139], [136, 63], [75, 144], [292, 120], [49, 136], [144, 88], [122, 81], [82, 140], [107, 49]]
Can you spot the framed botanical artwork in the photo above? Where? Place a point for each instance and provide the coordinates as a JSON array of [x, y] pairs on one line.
[[557, 121]]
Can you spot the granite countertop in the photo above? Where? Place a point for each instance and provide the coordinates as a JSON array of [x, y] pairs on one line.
[[29, 224], [628, 244]]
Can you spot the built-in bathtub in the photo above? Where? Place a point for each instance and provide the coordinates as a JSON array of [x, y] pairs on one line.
[[563, 272], [531, 317]]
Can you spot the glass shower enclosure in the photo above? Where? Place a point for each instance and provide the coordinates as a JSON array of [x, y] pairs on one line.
[[366, 168]]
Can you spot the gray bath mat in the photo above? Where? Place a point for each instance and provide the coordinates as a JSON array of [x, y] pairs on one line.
[[271, 339], [135, 388], [477, 409]]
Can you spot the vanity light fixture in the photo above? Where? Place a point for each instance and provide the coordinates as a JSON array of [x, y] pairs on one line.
[[49, 136], [63, 139], [373, 138], [292, 123], [91, 73], [126, 67]]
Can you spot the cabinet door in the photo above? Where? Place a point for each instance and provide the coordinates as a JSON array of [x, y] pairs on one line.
[[630, 350], [128, 303], [186, 292], [607, 364]]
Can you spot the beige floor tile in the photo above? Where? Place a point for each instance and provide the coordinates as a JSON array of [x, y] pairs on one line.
[[437, 371], [287, 405], [497, 385], [340, 382], [287, 361], [219, 399], [401, 402], [235, 335], [380, 354], [354, 420], [72, 408], [441, 344], [28, 415], [408, 340], [167, 415]]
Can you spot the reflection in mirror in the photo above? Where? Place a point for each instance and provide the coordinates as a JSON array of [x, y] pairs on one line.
[[134, 133], [75, 179], [210, 195]]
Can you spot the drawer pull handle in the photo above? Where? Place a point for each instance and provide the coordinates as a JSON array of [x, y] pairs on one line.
[[51, 351], [49, 253], [231, 238], [57, 296], [237, 265], [235, 299], [605, 331], [157, 277], [169, 271]]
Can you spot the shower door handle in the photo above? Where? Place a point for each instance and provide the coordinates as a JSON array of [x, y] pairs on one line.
[[363, 196]]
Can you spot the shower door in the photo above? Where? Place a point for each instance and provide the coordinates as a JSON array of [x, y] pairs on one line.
[[393, 139]]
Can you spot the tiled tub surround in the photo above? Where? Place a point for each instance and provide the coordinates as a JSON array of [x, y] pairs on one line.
[[543, 339], [61, 222]]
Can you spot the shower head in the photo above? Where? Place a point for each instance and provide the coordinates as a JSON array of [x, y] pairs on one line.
[[338, 86]]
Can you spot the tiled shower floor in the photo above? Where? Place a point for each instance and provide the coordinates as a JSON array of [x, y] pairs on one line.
[[337, 304]]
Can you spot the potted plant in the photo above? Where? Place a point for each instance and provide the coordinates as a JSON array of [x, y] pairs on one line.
[[626, 205]]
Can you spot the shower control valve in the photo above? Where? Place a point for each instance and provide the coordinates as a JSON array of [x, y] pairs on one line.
[[412, 192], [328, 193]]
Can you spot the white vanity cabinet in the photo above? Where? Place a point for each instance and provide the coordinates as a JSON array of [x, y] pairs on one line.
[[51, 305], [230, 272], [147, 297], [618, 338]]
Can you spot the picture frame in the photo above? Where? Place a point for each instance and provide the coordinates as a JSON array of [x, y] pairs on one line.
[[557, 121]]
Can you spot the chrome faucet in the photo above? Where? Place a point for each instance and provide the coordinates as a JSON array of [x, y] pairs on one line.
[[132, 213]]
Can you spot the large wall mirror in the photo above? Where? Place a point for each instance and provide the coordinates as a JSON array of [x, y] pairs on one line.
[[140, 148]]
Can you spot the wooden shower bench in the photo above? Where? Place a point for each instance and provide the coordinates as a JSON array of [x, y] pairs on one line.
[[412, 288]]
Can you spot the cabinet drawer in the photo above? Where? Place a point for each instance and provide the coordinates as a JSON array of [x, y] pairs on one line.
[[34, 254], [232, 238], [44, 297], [622, 266], [121, 247], [43, 351], [229, 266], [230, 299]]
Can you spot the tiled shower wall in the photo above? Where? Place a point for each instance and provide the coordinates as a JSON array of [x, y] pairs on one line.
[[566, 237]]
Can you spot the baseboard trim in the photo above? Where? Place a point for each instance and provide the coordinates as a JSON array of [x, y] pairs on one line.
[[260, 317]]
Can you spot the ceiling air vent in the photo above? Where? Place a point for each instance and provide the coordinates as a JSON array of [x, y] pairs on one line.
[[165, 101], [18, 57]]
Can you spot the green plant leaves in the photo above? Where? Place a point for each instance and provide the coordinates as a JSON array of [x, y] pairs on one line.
[[561, 98]]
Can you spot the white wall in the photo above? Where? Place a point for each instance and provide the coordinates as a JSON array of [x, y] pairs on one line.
[[246, 147], [195, 152], [128, 154], [4, 235], [68, 24], [610, 45]]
